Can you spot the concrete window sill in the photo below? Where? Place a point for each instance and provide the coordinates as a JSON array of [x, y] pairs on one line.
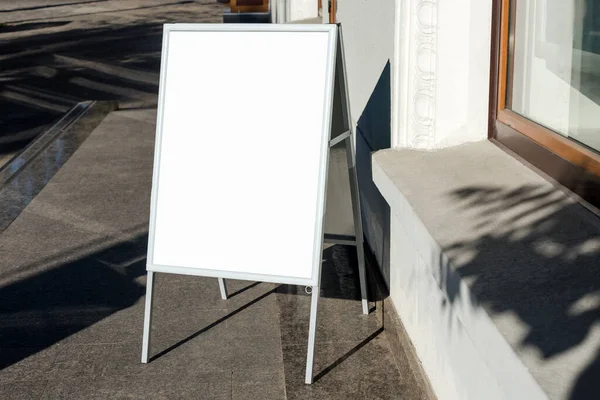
[[517, 260]]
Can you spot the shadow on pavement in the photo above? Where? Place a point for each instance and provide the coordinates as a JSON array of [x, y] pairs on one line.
[[40, 311], [44, 74], [31, 26]]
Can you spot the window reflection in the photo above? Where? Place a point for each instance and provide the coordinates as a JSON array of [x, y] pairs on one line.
[[555, 61]]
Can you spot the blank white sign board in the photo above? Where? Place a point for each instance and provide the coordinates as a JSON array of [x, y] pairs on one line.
[[241, 151]]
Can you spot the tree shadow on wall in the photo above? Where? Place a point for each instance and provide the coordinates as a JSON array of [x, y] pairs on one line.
[[538, 258]]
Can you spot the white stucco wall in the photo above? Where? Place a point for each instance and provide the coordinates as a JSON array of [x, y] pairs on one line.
[[443, 79], [442, 100], [439, 55], [368, 30], [455, 367], [462, 73], [368, 27], [433, 57], [302, 9]]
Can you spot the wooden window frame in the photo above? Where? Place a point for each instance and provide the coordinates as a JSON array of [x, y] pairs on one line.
[[332, 11], [572, 165], [234, 7]]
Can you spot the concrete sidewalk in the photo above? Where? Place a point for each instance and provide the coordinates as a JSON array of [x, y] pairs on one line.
[[55, 53], [72, 284]]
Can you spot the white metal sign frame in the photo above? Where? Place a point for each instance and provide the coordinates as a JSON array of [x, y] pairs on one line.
[[335, 70], [326, 127]]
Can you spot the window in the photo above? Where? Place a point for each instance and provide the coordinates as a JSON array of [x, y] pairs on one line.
[[546, 88]]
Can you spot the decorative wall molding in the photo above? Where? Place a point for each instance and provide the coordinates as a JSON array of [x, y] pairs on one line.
[[414, 91], [423, 71]]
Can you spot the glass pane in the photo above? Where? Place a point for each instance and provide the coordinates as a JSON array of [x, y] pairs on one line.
[[556, 66]]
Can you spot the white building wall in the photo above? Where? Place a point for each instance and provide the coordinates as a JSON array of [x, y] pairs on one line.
[[454, 367], [418, 76], [368, 27], [368, 30], [438, 83], [463, 48], [302, 9], [443, 79]]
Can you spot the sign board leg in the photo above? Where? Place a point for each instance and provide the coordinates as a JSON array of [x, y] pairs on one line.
[[147, 317], [351, 157], [312, 330], [223, 288], [356, 212]]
